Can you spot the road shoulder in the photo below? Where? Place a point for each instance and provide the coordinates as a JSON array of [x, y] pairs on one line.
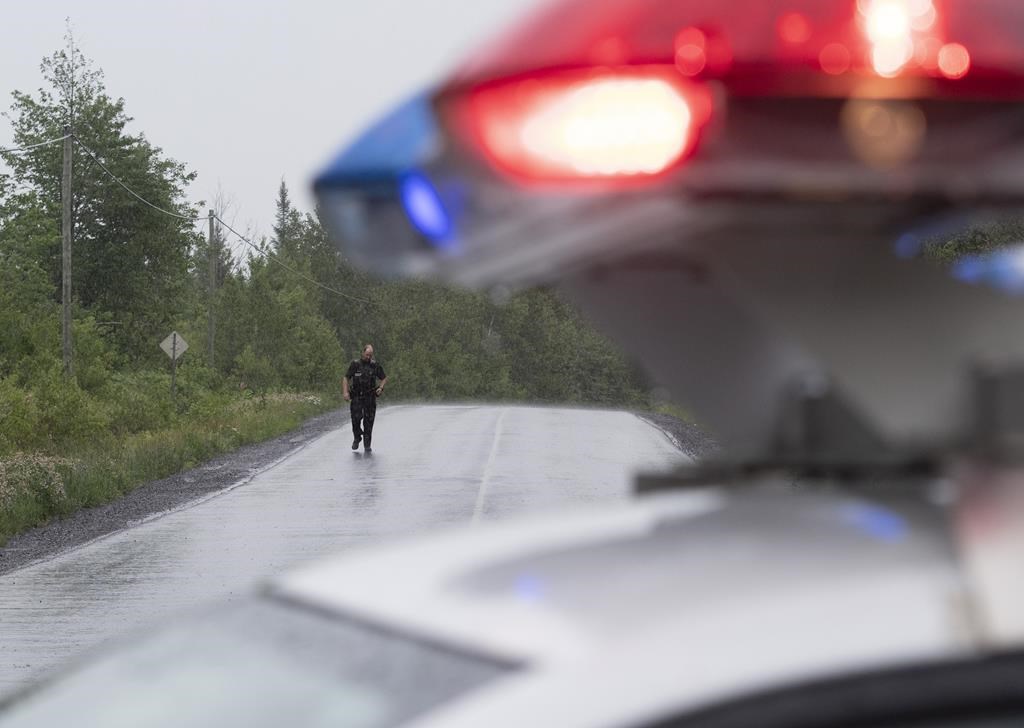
[[222, 472], [159, 496], [686, 436]]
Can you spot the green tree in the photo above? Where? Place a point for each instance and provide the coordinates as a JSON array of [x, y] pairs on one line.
[[270, 317], [29, 327], [289, 230], [130, 261]]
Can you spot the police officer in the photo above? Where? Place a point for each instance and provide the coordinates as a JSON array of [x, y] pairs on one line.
[[363, 383]]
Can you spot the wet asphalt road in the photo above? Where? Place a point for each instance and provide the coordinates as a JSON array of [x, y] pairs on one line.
[[431, 467]]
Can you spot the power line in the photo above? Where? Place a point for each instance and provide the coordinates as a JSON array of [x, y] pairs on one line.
[[275, 259], [11, 150], [241, 237], [132, 192]]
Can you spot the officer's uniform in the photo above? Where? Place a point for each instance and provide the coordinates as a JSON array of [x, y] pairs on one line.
[[364, 378]]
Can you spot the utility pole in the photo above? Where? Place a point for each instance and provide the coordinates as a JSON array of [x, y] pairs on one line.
[[214, 250], [66, 256], [174, 365]]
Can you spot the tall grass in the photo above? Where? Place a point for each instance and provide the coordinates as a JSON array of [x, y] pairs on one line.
[[36, 487]]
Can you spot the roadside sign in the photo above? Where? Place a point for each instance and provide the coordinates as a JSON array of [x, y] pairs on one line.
[[174, 345]]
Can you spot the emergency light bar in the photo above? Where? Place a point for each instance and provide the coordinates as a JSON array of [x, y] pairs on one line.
[[741, 174], [590, 102], [770, 45]]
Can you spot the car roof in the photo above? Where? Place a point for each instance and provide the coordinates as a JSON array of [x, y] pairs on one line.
[[655, 598]]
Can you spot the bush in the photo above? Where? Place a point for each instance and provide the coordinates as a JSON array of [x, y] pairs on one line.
[[139, 401], [32, 477], [255, 372], [19, 419], [94, 359], [67, 414], [195, 378]]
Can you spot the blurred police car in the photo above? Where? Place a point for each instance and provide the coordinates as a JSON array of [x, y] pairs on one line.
[[760, 606], [732, 187], [743, 191]]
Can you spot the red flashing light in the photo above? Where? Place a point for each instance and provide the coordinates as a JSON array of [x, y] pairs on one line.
[[757, 47], [794, 28], [954, 60], [835, 59], [691, 60], [691, 51], [906, 34], [600, 125]]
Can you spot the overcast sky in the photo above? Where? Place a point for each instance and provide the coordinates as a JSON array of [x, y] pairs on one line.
[[246, 92]]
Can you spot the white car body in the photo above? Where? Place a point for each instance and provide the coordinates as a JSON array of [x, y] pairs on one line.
[[622, 616]]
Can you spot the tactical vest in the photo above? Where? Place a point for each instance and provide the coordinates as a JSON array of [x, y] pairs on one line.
[[364, 379]]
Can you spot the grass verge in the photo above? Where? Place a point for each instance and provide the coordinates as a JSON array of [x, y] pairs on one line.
[[36, 487]]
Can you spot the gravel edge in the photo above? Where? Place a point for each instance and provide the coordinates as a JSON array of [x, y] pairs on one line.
[[158, 496], [688, 437]]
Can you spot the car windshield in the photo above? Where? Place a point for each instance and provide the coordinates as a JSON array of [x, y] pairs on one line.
[[259, 663]]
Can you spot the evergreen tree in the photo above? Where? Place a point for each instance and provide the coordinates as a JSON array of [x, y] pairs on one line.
[[130, 261]]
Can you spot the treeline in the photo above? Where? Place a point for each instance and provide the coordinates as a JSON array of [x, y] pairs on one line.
[[437, 342], [139, 273]]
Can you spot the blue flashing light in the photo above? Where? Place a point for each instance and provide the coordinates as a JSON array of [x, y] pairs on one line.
[[1007, 274], [402, 140], [912, 243], [879, 523], [908, 246], [1003, 270], [424, 208], [970, 269], [529, 588]]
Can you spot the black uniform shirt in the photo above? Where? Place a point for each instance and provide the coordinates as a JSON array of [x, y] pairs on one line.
[[364, 376]]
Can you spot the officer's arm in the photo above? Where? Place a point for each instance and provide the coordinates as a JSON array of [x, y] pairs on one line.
[[344, 382], [383, 380]]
